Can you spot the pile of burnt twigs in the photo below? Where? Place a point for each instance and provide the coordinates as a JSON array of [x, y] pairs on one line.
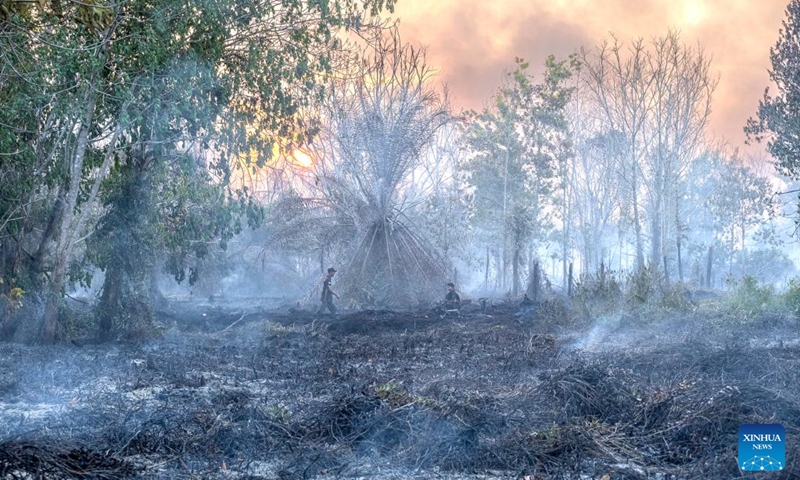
[[45, 460]]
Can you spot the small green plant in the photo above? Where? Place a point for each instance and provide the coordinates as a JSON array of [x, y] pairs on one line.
[[675, 297], [279, 413], [644, 286], [11, 295], [604, 286], [597, 293], [388, 390], [748, 300], [791, 297], [10, 301]]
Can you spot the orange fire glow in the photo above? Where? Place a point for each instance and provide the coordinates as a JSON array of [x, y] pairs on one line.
[[302, 158]]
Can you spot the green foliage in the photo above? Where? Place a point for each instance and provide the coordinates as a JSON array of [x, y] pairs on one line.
[[518, 146], [791, 296], [76, 324], [740, 200], [778, 119], [604, 286], [778, 115], [11, 297], [279, 413], [676, 297], [643, 286], [747, 299], [598, 293], [187, 90]]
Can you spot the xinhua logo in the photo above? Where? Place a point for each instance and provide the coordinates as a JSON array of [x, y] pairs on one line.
[[762, 448]]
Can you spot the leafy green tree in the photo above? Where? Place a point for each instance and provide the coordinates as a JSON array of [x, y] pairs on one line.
[[727, 206], [140, 87], [741, 201], [778, 116], [517, 146]]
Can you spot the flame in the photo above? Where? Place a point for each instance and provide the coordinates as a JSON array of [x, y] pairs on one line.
[[302, 158]]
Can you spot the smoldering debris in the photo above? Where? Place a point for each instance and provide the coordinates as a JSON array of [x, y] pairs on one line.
[[48, 460], [389, 395]]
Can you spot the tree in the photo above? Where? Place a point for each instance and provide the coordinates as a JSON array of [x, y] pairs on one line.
[[741, 201], [727, 205], [682, 90], [618, 83], [658, 96], [595, 192], [156, 82], [517, 146], [778, 115], [381, 117]]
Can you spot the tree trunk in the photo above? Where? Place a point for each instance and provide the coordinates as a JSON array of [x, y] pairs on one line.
[[655, 247], [54, 297], [70, 225], [504, 274], [43, 257], [155, 295], [637, 225], [708, 266], [498, 279], [678, 237], [109, 303], [564, 262], [602, 276], [127, 298], [515, 288], [570, 281], [486, 273], [534, 284], [65, 235]]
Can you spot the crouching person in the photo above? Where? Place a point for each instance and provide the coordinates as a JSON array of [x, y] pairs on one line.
[[452, 301]]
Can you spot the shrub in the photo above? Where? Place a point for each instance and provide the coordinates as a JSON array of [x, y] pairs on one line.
[[748, 300], [791, 297], [676, 296], [603, 286], [644, 286], [600, 291]]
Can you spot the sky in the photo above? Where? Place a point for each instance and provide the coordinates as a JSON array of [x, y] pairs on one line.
[[472, 42]]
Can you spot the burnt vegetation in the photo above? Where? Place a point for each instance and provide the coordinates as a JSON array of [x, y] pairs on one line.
[[493, 394], [177, 176]]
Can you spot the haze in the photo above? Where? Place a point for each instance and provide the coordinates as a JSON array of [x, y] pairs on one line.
[[473, 41]]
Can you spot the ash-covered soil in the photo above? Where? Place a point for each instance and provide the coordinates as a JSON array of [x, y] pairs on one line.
[[390, 395]]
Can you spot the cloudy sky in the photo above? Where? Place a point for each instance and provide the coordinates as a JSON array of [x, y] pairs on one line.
[[473, 41]]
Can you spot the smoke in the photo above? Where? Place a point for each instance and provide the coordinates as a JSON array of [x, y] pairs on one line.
[[473, 41], [600, 334]]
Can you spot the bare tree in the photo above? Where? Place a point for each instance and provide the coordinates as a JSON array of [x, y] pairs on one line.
[[658, 96], [379, 119], [618, 82], [682, 89]]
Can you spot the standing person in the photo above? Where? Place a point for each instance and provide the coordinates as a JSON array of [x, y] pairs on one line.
[[328, 293]]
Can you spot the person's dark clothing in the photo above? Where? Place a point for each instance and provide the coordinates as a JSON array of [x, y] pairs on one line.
[[452, 300], [327, 297], [326, 290]]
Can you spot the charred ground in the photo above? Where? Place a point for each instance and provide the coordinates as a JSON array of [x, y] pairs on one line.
[[503, 393]]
